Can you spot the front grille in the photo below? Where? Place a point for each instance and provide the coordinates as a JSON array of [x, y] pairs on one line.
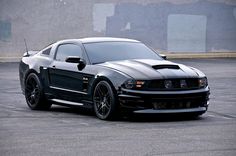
[[191, 83]]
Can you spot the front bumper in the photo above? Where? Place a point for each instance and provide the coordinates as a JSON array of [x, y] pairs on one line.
[[162, 102]]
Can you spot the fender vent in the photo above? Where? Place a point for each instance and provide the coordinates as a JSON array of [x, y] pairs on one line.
[[169, 66]]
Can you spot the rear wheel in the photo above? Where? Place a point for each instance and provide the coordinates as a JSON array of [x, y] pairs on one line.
[[104, 101], [34, 93]]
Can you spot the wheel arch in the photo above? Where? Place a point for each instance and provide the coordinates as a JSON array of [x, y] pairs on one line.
[[102, 78], [27, 74]]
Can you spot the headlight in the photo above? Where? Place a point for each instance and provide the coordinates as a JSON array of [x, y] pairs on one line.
[[202, 82], [131, 84]]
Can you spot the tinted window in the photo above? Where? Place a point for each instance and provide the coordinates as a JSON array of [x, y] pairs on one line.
[[112, 51], [46, 51], [65, 50]]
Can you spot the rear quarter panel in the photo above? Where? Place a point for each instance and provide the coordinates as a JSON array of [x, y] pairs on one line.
[[32, 64]]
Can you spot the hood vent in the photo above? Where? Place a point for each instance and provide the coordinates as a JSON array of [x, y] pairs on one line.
[[164, 66]]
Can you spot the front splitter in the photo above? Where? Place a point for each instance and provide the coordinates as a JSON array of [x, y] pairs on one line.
[[170, 111]]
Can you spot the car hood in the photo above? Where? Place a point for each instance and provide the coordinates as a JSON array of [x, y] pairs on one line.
[[145, 69]]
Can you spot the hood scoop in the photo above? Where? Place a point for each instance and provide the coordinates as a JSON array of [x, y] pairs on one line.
[[166, 66]]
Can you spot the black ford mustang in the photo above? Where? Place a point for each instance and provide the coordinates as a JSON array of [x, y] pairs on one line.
[[110, 74]]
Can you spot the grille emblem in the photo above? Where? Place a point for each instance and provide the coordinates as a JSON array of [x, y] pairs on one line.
[[85, 78], [168, 84], [183, 84]]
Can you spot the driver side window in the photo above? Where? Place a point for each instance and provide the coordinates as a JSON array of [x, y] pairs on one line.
[[65, 50]]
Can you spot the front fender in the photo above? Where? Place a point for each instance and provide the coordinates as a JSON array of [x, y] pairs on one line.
[[113, 77]]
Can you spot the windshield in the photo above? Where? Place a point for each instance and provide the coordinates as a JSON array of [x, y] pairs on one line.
[[112, 51]]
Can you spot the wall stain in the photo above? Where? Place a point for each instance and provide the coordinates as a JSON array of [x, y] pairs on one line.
[[148, 23], [5, 30]]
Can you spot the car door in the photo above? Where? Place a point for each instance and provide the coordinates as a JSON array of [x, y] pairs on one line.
[[65, 78]]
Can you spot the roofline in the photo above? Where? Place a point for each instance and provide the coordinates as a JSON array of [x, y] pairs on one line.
[[98, 39]]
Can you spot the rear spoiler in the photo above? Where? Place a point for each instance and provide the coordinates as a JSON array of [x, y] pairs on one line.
[[30, 53]]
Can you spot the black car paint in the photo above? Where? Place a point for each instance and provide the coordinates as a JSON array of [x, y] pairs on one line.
[[58, 75], [143, 69], [63, 80]]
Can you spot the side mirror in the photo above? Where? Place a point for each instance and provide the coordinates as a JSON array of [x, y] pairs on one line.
[[76, 59], [163, 56]]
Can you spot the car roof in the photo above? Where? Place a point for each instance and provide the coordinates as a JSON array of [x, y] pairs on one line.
[[106, 39], [99, 39]]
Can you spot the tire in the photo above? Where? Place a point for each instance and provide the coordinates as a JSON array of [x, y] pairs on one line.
[[104, 99], [34, 93]]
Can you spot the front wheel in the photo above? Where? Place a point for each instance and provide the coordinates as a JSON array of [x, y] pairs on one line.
[[104, 101], [34, 93]]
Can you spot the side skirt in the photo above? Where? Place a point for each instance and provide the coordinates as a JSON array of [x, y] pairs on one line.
[[85, 104]]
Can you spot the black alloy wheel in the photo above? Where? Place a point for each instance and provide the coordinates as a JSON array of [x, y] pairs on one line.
[[104, 101], [33, 93]]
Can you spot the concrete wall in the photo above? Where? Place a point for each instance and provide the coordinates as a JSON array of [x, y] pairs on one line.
[[168, 25]]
